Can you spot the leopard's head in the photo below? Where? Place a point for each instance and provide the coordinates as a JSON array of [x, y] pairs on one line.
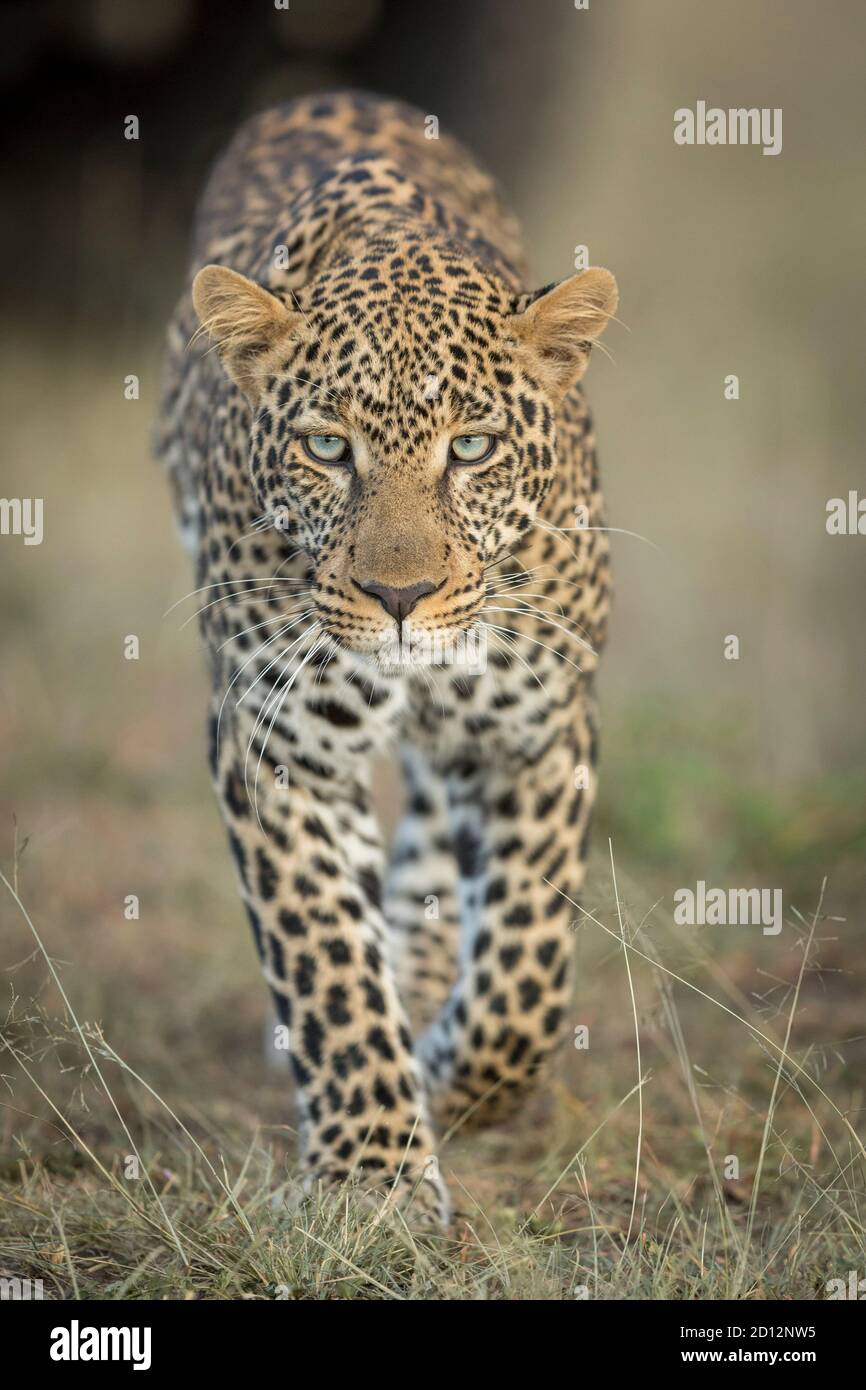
[[403, 409]]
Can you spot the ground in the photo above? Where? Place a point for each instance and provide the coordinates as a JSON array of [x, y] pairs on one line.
[[599, 1189]]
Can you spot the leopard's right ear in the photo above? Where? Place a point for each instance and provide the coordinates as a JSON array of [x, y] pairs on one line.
[[243, 320]]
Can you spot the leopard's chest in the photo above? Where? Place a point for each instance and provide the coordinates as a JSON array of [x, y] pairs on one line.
[[510, 710]]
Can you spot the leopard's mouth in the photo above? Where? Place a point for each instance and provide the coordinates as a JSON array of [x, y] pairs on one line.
[[411, 646], [425, 639]]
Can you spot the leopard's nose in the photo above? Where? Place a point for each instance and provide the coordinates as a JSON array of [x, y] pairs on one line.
[[399, 602]]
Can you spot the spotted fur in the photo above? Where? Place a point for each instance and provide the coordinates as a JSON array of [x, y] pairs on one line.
[[351, 275]]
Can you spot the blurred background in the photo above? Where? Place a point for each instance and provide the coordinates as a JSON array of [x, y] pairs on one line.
[[749, 771]]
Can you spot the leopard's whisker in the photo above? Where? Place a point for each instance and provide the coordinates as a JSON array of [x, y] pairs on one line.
[[516, 590], [513, 597], [260, 650], [509, 555], [281, 655], [267, 622], [349, 675], [610, 530], [284, 656], [502, 633], [322, 667], [536, 643], [546, 617], [428, 681], [557, 579], [221, 583], [282, 695], [514, 581], [534, 576], [246, 596]]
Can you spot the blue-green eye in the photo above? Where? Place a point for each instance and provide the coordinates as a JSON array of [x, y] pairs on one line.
[[328, 448], [471, 448]]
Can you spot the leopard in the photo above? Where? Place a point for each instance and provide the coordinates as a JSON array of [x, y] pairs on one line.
[[383, 464]]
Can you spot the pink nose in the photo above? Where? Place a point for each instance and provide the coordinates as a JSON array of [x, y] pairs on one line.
[[399, 602]]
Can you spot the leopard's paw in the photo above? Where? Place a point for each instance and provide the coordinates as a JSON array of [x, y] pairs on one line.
[[419, 1195]]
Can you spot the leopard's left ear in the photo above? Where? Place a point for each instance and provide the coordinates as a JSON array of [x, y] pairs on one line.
[[560, 324]]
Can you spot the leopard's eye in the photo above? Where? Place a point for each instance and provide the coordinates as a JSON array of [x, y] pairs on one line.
[[471, 448], [327, 448]]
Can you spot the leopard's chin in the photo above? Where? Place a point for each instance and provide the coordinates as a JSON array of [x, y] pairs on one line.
[[417, 647], [412, 647]]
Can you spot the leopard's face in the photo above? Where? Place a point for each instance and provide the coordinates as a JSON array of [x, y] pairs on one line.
[[403, 434], [412, 455]]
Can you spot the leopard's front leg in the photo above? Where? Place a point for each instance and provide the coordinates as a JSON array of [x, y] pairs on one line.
[[309, 864], [521, 834]]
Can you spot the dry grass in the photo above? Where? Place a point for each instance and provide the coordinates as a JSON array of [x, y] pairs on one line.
[[115, 1187]]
